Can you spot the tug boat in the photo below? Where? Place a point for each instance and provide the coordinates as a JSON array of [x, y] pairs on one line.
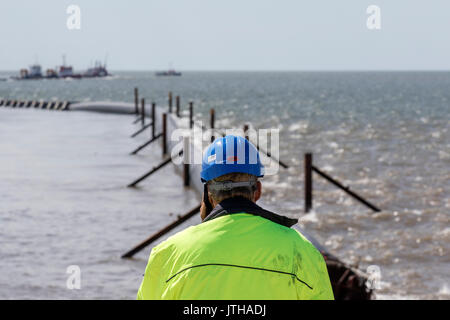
[[34, 72], [66, 71], [98, 70]]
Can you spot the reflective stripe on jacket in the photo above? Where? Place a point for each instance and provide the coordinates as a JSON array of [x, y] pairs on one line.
[[240, 251]]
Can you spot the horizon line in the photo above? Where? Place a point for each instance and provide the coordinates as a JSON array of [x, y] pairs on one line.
[[274, 70]]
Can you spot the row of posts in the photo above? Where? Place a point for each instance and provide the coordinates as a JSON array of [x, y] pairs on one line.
[[177, 110], [308, 162], [164, 125]]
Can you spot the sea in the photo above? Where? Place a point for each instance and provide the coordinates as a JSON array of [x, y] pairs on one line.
[[65, 205]]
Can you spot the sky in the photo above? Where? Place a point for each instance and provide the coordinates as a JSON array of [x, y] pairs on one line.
[[227, 35]]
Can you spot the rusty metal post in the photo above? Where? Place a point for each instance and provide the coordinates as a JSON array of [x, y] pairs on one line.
[[143, 111], [246, 131], [186, 160], [162, 232], [170, 101], [212, 119], [136, 100], [345, 189], [164, 133], [191, 114], [308, 182], [153, 119], [177, 102]]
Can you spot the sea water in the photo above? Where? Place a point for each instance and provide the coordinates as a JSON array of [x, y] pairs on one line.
[[63, 175]]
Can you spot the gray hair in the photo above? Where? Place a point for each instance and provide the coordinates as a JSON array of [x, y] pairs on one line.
[[232, 185]]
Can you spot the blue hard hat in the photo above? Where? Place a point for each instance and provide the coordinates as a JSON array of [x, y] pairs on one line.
[[231, 154]]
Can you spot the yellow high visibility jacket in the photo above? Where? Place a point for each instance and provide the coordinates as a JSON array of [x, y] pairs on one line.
[[239, 252]]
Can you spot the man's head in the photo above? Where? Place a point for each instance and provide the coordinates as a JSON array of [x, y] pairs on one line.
[[231, 167], [218, 191]]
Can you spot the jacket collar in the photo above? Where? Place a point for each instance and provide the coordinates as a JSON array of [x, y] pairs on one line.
[[240, 204]]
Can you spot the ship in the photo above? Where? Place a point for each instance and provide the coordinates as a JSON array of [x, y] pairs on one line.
[[64, 72], [99, 70], [34, 72]]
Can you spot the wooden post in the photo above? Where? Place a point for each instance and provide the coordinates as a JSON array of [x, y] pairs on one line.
[[308, 182], [212, 118], [186, 159], [153, 119], [143, 111], [164, 133], [136, 100], [191, 114], [177, 101], [170, 101]]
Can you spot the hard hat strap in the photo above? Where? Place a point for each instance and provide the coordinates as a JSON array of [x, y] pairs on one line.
[[229, 185]]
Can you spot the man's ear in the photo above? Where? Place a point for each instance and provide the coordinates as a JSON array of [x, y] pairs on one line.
[[211, 200], [258, 191], [203, 212]]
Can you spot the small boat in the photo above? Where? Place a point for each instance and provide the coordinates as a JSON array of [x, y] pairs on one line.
[[170, 72]]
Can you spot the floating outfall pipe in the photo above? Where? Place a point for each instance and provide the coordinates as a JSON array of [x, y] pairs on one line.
[[52, 105]]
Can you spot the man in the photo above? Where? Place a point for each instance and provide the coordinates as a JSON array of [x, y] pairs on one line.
[[240, 251]]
